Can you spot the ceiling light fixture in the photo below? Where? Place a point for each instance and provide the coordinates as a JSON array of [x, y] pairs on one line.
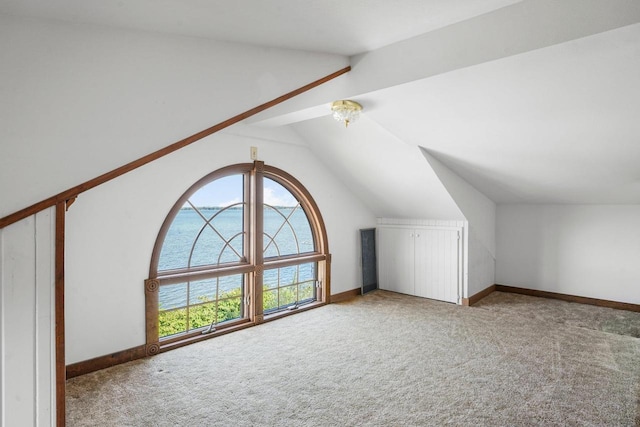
[[346, 111]]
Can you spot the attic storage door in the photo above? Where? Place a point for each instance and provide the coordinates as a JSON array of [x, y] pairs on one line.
[[395, 250], [421, 261], [436, 269]]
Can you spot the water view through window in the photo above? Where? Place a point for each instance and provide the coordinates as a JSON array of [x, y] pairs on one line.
[[211, 231]]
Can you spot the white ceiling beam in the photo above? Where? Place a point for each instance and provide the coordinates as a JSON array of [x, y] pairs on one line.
[[516, 29]]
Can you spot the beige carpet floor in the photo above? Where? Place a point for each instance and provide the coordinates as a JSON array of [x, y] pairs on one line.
[[387, 359]]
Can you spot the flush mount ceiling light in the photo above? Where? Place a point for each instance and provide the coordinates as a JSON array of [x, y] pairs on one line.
[[346, 111]]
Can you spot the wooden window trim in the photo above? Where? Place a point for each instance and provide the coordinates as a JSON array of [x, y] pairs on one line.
[[205, 273], [243, 168], [252, 269]]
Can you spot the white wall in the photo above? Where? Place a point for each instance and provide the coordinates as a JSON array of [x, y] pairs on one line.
[[482, 265], [111, 231], [584, 250], [27, 335], [81, 100]]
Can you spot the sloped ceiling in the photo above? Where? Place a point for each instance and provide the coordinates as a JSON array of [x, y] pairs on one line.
[[391, 177], [555, 125], [532, 101], [331, 26]]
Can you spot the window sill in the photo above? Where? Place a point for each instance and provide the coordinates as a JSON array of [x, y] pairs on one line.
[[285, 313]]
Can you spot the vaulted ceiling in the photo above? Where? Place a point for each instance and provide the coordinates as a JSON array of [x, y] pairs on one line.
[[331, 26], [532, 101]]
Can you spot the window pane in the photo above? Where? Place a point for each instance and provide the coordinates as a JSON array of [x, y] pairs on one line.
[[202, 315], [229, 309], [206, 314], [307, 271], [232, 251], [231, 285], [207, 248], [286, 227], [287, 286], [288, 296], [209, 228], [222, 192], [172, 296], [307, 291], [270, 300], [288, 275], [213, 300], [303, 231], [270, 279], [201, 291], [172, 322], [180, 237], [211, 249]]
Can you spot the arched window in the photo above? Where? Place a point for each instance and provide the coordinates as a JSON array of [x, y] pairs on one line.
[[243, 245]]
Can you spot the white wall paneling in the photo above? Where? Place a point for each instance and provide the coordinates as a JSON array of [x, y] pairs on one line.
[[422, 261], [480, 229], [396, 259], [437, 263], [27, 327]]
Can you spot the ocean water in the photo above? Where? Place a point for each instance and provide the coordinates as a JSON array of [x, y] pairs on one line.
[[214, 236]]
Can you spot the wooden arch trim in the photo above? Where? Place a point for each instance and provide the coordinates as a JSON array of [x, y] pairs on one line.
[[153, 343], [290, 182], [278, 175], [164, 229]]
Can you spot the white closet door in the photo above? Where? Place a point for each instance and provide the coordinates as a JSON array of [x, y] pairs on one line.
[[396, 260], [436, 270]]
